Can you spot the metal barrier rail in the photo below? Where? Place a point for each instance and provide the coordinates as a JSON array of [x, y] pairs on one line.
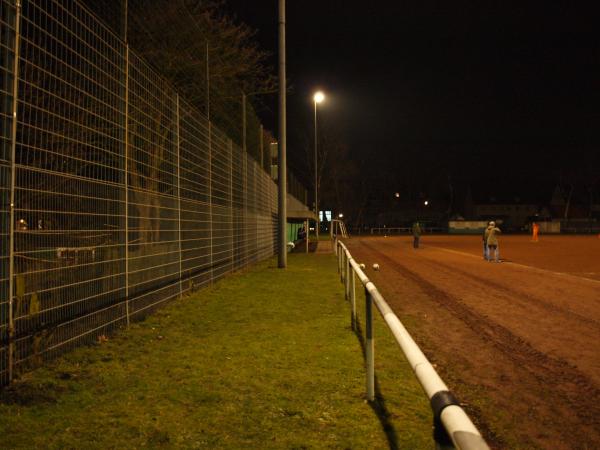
[[338, 228], [452, 426]]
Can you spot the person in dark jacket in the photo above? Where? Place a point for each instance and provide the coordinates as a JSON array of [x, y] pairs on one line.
[[301, 235], [416, 232]]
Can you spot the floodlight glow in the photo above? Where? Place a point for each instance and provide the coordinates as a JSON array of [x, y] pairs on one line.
[[426, 202], [340, 215], [397, 194], [319, 97]]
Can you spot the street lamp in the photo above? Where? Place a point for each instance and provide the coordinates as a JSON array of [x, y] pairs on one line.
[[282, 161], [318, 98]]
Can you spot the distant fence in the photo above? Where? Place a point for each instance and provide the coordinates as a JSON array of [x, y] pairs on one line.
[[580, 226], [116, 194], [452, 427], [476, 227], [405, 230]]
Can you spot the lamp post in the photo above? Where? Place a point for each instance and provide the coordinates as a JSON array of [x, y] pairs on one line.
[[282, 174], [318, 98]]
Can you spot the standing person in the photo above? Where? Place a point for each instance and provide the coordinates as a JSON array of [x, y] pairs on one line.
[[484, 236], [416, 232], [535, 229], [301, 235], [492, 241]]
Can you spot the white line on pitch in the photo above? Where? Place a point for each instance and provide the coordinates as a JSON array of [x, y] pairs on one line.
[[537, 269]]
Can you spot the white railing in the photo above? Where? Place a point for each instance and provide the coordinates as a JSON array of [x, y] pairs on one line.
[[452, 425], [338, 229]]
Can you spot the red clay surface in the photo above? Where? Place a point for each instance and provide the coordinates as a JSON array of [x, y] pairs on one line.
[[518, 342]]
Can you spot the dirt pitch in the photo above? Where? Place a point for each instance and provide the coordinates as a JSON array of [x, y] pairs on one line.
[[518, 342]]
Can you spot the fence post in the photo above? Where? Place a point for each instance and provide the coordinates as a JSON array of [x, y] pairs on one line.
[[207, 84], [255, 211], [244, 123], [245, 180], [262, 145], [231, 205], [124, 24], [210, 200], [245, 203], [13, 174], [369, 346], [127, 184], [178, 118]]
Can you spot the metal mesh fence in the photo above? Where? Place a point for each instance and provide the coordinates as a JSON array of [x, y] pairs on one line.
[[125, 196], [7, 60]]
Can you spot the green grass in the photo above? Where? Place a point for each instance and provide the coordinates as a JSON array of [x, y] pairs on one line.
[[263, 359]]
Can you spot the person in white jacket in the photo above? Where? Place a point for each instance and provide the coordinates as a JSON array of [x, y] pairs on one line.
[[492, 241]]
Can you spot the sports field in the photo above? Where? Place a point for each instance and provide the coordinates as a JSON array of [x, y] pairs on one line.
[[519, 341]]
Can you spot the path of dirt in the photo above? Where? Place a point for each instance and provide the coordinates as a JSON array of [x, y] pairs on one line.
[[517, 341]]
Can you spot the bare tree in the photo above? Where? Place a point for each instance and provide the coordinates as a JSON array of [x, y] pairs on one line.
[[338, 178], [207, 56]]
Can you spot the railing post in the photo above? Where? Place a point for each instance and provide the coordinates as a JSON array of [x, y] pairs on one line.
[[369, 346], [353, 298], [440, 436], [347, 286]]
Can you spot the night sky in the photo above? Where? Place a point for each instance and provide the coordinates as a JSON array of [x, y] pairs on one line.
[[490, 94]]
